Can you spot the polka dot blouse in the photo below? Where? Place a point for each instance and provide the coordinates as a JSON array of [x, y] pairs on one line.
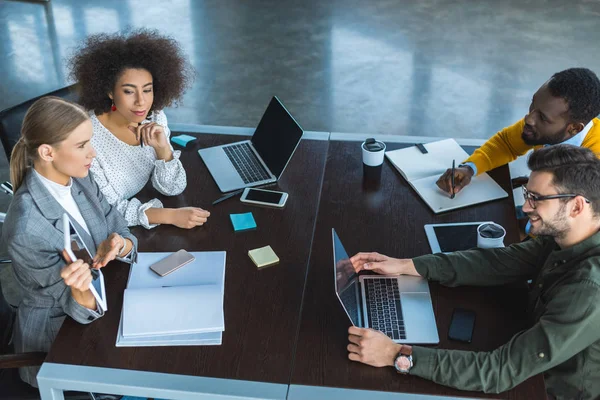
[[122, 170]]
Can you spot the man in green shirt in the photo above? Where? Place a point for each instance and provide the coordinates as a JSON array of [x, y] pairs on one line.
[[563, 204]]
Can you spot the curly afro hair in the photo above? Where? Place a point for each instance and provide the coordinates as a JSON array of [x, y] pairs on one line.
[[99, 62], [580, 88]]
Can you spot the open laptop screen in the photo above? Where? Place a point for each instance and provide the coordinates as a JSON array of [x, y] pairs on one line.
[[346, 282], [276, 137]]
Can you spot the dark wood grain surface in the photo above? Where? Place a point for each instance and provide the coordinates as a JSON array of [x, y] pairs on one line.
[[390, 220], [262, 307]]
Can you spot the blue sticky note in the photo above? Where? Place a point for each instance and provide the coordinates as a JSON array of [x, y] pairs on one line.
[[182, 140], [242, 222]]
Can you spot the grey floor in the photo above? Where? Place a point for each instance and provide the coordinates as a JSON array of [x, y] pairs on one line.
[[448, 68]]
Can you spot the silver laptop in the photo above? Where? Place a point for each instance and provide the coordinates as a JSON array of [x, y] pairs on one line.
[[400, 307], [259, 160]]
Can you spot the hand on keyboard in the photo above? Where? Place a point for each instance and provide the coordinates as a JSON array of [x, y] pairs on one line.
[[382, 264]]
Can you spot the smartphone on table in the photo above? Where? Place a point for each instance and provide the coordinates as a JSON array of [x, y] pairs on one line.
[[461, 325], [172, 262], [270, 198]]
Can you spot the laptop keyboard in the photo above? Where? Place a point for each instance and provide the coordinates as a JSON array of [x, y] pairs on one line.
[[384, 308], [246, 163]]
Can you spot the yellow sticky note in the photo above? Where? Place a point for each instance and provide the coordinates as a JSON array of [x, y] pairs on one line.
[[263, 257]]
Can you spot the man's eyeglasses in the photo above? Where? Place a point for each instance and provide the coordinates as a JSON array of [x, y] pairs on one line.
[[532, 199]]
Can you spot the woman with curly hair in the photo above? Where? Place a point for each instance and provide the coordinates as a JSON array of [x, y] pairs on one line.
[[125, 81]]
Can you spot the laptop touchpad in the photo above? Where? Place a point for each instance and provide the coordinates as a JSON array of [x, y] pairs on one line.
[[419, 318]]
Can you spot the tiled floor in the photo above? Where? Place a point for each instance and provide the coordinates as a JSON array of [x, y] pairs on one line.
[[459, 68]]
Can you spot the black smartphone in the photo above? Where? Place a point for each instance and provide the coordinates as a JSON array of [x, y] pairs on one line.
[[461, 325]]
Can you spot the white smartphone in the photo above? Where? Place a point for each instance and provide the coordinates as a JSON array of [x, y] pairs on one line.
[[172, 262], [77, 250], [264, 197]]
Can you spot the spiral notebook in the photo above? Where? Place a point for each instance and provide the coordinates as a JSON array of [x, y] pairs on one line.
[[422, 170]]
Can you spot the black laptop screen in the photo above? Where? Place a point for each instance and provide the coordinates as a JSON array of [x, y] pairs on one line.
[[346, 282], [276, 137]]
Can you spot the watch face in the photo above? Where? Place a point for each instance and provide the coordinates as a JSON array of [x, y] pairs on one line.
[[403, 363]]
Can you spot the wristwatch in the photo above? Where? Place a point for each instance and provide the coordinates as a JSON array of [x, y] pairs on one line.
[[404, 361]]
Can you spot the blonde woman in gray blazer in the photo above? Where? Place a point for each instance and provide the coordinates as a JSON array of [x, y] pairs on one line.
[[49, 170]]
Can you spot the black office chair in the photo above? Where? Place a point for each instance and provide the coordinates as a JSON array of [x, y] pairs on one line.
[[11, 119], [12, 386]]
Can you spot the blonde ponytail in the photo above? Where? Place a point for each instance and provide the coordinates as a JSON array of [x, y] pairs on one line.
[[19, 161], [49, 120]]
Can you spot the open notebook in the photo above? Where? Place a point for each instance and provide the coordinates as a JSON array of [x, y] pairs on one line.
[[423, 170]]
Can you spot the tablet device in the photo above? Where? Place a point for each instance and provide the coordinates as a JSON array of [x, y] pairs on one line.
[[447, 238], [76, 249]]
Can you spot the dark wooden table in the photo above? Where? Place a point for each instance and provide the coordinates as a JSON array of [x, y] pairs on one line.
[[284, 323], [390, 220], [261, 306]]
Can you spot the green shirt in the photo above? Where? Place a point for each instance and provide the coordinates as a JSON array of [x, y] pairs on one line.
[[564, 303]]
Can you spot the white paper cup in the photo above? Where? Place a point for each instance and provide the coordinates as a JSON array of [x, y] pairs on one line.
[[373, 158], [490, 235]]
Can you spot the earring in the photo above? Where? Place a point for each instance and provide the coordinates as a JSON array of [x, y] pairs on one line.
[[112, 107]]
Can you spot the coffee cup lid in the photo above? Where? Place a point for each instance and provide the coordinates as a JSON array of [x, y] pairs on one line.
[[373, 145], [492, 231]]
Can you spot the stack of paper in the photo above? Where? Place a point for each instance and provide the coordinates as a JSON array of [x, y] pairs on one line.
[[423, 170], [184, 308]]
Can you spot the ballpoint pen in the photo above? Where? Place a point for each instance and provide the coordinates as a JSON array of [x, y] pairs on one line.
[[235, 193], [453, 183], [227, 196]]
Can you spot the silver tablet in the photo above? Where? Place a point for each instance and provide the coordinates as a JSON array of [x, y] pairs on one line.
[[76, 249], [447, 238]]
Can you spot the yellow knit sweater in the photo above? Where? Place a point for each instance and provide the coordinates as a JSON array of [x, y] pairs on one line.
[[507, 145]]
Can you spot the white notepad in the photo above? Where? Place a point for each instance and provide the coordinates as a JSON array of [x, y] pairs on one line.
[[423, 170], [172, 310], [185, 339], [168, 311]]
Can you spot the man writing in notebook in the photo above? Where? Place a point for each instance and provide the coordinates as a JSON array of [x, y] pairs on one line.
[[563, 342], [563, 110]]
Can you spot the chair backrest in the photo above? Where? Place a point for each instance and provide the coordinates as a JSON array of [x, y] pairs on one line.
[[7, 317], [11, 119]]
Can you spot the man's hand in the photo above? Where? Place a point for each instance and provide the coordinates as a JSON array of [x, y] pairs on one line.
[[108, 250], [383, 265], [462, 177], [371, 347]]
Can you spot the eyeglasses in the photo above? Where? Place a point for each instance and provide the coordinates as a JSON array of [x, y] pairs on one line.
[[532, 199]]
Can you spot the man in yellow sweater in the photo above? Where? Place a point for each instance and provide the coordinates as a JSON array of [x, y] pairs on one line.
[[564, 110]]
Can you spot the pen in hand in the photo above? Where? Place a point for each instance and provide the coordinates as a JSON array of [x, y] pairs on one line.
[[453, 182]]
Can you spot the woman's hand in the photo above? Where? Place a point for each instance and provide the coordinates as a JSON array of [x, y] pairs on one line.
[[153, 135], [108, 250], [77, 274], [188, 217]]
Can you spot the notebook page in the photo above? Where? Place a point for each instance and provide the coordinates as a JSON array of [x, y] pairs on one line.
[[481, 189], [414, 165]]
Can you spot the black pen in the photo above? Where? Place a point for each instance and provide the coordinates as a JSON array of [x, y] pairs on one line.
[[227, 196], [453, 183]]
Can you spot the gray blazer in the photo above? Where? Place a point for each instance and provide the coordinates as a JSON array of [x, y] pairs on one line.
[[34, 235]]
